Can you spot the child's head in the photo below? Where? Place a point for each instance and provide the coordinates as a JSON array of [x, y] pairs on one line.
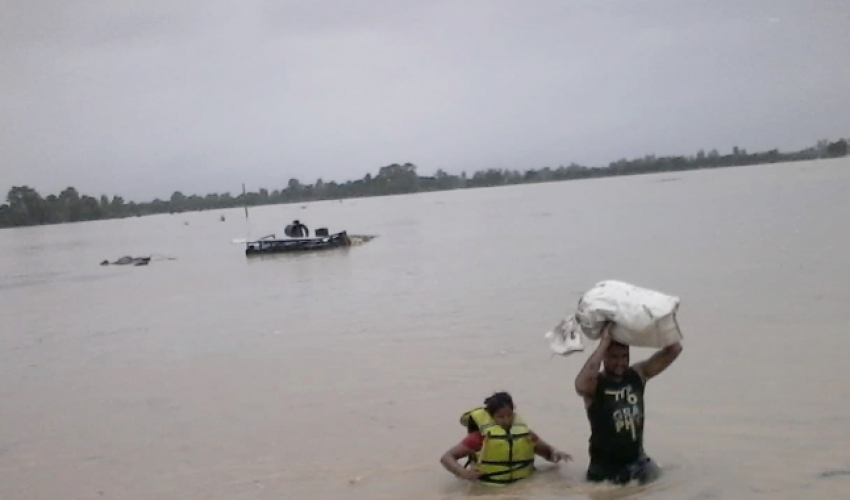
[[500, 406]]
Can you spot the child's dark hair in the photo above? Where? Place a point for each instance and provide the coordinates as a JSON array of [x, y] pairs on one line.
[[498, 401], [492, 404]]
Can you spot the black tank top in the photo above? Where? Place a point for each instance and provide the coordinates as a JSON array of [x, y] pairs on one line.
[[616, 420]]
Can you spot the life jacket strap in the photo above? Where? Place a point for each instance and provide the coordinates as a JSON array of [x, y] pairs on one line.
[[507, 462], [513, 468]]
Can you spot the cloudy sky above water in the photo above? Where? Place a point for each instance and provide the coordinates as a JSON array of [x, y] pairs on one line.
[[142, 98]]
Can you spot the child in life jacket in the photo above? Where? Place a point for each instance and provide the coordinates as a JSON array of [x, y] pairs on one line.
[[500, 446]]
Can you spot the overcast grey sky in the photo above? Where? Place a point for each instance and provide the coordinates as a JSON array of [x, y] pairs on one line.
[[142, 98]]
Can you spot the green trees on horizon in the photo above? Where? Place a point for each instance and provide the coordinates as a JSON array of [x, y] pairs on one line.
[[26, 207]]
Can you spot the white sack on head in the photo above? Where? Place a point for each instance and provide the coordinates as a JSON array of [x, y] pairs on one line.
[[641, 317], [566, 337]]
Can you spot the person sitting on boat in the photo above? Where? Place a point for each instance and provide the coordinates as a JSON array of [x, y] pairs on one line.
[[499, 444], [299, 230]]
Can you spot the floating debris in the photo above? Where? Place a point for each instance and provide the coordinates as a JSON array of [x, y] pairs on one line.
[[127, 260], [359, 239], [831, 473]]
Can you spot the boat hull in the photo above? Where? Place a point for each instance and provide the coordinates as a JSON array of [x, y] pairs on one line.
[[292, 245]]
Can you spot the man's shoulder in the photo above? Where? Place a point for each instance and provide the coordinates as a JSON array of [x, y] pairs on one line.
[[634, 374]]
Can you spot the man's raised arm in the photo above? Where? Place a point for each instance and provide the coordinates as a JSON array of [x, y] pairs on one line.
[[659, 361], [586, 379]]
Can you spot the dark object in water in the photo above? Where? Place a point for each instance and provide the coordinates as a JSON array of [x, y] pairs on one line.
[[831, 473], [269, 244], [127, 260]]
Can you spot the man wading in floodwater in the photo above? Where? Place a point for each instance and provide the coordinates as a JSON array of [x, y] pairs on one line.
[[614, 402]]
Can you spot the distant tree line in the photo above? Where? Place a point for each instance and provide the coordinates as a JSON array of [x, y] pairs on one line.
[[26, 207]]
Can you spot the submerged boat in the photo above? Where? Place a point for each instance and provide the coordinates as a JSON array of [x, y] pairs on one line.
[[128, 260], [322, 241]]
